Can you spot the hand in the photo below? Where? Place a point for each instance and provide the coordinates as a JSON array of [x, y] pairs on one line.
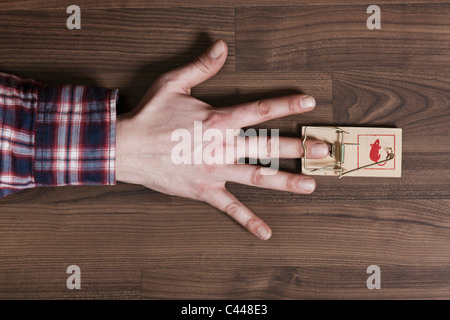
[[144, 146]]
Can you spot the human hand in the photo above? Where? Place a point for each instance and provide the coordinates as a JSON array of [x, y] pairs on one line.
[[144, 145]]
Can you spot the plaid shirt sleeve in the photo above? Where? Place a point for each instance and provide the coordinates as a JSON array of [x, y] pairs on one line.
[[55, 135]]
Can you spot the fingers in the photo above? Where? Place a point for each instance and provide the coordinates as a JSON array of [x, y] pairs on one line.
[[252, 113], [202, 68], [226, 202], [268, 178], [289, 148]]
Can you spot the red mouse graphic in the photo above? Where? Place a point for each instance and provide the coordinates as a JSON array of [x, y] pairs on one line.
[[374, 152]]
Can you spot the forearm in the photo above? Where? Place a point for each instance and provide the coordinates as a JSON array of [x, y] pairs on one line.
[[55, 135]]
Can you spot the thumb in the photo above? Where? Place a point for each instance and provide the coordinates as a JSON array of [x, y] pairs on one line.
[[203, 67]]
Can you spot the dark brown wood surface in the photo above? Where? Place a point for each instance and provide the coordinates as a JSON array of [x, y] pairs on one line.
[[133, 243]]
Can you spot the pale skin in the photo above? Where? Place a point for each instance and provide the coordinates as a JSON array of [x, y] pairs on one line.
[[144, 146]]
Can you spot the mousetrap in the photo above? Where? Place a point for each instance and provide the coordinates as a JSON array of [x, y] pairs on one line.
[[355, 151]]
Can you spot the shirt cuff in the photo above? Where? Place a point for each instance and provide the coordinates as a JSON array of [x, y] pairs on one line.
[[75, 132]]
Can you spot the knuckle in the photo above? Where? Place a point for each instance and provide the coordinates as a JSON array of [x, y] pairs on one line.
[[294, 104], [292, 183], [301, 150], [268, 146], [214, 119], [201, 191], [257, 177], [210, 169], [207, 191], [263, 109], [251, 222], [202, 64], [166, 81], [232, 209]]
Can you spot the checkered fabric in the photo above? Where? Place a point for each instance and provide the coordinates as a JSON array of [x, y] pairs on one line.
[[55, 135]]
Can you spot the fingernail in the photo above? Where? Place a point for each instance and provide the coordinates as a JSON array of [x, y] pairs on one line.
[[216, 49], [263, 233], [307, 102], [307, 184], [319, 150]]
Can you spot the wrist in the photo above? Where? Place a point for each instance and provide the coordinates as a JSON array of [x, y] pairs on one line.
[[125, 150], [119, 149]]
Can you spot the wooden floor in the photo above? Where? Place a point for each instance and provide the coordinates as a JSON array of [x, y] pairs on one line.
[[134, 243]]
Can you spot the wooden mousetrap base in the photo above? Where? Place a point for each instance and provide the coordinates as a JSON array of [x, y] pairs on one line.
[[355, 151]]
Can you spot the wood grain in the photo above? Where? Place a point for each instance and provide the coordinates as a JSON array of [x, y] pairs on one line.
[[417, 102], [129, 40], [112, 243], [132, 243], [290, 282], [110, 4], [337, 38]]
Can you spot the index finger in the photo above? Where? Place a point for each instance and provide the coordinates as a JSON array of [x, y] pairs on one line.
[[251, 113]]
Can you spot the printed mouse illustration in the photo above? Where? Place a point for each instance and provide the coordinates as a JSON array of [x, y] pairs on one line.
[[375, 152]]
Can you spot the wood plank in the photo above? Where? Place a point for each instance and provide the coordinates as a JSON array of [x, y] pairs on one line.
[[415, 101], [337, 38], [292, 282], [110, 4], [129, 40], [46, 279], [112, 243], [301, 262]]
